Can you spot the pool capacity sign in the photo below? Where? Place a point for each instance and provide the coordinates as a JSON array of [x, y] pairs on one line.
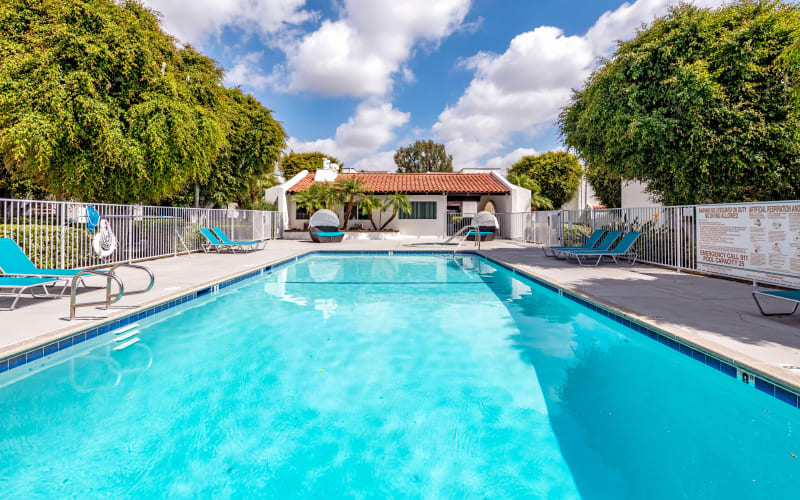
[[754, 241]]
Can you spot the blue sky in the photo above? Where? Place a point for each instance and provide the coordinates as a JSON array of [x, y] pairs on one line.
[[359, 78]]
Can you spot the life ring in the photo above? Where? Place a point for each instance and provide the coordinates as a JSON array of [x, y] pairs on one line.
[[104, 242]]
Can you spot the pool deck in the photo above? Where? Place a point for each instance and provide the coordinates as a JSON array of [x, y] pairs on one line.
[[715, 314]]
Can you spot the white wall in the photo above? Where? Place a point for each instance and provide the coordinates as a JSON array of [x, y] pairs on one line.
[[410, 227], [585, 197], [634, 194]]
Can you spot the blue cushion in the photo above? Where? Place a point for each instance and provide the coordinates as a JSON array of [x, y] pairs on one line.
[[329, 235]]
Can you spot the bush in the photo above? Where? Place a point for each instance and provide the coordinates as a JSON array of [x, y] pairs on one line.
[[558, 174]]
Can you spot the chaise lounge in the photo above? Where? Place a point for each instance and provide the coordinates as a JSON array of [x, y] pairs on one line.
[[589, 244], [14, 262], [17, 286], [324, 227], [243, 244], [621, 250]]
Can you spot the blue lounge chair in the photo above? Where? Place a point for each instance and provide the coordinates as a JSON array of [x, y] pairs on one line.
[[622, 249], [243, 244], [214, 243], [18, 286], [605, 244], [14, 262], [791, 296], [590, 243]]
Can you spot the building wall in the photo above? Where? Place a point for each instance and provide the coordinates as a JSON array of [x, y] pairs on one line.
[[634, 194], [585, 197], [410, 227]]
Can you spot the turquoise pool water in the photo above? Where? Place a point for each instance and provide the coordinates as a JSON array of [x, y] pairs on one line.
[[389, 376]]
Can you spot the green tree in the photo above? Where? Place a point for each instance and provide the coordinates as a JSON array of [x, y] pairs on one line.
[[328, 196], [398, 203], [293, 163], [607, 185], [98, 103], [557, 174], [538, 200], [349, 190], [423, 156], [699, 105], [246, 164], [310, 199], [370, 204]]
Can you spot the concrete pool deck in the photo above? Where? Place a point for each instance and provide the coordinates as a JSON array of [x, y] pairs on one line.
[[715, 314]]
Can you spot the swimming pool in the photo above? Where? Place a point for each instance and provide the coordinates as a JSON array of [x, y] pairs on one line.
[[377, 375]]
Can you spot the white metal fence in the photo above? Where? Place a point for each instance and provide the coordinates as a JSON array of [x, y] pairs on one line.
[[54, 234]]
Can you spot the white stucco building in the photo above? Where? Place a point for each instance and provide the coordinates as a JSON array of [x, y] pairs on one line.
[[432, 196]]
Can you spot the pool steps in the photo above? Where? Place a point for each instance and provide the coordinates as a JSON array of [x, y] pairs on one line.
[[125, 333], [127, 344]]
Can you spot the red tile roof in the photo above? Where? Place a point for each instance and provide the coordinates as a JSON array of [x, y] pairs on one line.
[[438, 182]]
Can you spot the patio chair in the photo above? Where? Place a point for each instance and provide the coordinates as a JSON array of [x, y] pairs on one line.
[[790, 296], [323, 227], [14, 262], [17, 286], [212, 242], [605, 244], [487, 226], [622, 249], [243, 244], [590, 243]]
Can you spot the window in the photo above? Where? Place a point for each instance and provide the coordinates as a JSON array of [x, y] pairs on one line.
[[358, 214], [301, 214], [421, 210]]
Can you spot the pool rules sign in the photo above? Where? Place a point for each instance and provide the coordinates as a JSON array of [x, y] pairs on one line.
[[753, 241]]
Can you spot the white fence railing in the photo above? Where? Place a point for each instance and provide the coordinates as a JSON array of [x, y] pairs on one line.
[[668, 233], [54, 234]]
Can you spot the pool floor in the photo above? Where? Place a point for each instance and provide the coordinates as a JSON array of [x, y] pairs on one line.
[[373, 376]]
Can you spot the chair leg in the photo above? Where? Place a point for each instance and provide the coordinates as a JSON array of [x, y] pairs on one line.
[[761, 309]]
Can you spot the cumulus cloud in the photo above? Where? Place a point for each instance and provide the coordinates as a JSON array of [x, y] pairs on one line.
[[504, 162], [363, 134], [523, 89], [196, 20], [378, 162], [360, 53], [246, 73]]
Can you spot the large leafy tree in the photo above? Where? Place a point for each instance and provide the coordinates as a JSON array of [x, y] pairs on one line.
[[699, 105], [97, 102], [557, 174], [245, 165], [293, 163], [606, 183], [423, 156]]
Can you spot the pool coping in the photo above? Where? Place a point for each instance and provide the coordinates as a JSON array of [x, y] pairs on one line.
[[762, 376]]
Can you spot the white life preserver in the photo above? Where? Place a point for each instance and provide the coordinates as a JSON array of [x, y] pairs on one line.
[[104, 242]]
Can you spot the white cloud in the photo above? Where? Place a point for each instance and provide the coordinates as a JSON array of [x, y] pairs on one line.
[[366, 132], [360, 53], [523, 89], [505, 162], [196, 20], [378, 162], [247, 73]]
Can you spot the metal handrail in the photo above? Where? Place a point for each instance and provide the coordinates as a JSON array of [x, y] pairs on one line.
[[134, 292], [74, 286]]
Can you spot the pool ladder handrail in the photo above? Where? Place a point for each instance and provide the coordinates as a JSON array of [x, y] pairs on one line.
[[110, 297], [466, 235]]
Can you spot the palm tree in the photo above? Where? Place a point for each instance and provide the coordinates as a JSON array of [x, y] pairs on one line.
[[538, 200], [398, 203], [349, 189], [328, 196], [309, 200], [370, 204]]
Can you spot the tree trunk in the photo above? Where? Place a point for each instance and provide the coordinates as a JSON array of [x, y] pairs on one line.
[[372, 221], [394, 214], [347, 212], [197, 196]]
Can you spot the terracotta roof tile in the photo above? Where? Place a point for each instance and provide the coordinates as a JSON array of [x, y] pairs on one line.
[[439, 182]]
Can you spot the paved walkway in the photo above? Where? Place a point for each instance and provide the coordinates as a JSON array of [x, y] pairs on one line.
[[716, 314]]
